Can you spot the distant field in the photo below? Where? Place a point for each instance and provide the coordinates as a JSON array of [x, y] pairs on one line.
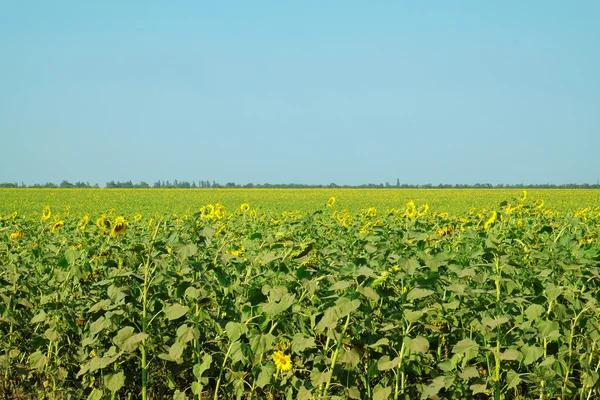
[[188, 201]]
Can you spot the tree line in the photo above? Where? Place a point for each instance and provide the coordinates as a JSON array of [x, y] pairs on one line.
[[208, 184]]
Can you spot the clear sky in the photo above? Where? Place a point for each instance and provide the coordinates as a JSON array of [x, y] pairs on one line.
[[349, 92]]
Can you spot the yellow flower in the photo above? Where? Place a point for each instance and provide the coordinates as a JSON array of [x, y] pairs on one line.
[[58, 225], [102, 222], [83, 223], [411, 208], [423, 210], [16, 236], [119, 226], [282, 362], [46, 213], [244, 207], [371, 212], [137, 217], [331, 201], [490, 221]]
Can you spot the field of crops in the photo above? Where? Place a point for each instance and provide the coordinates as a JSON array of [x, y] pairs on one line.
[[326, 294]]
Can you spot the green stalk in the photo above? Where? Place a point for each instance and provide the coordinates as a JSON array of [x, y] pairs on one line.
[[216, 396], [335, 354], [144, 362], [399, 374]]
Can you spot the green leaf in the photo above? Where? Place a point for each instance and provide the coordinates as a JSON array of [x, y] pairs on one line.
[[340, 285], [318, 378], [345, 306], [385, 363], [40, 317], [354, 393], [301, 343], [513, 379], [464, 346], [38, 360], [534, 311], [492, 323], [179, 395], [412, 316], [419, 345], [329, 319], [52, 335], [304, 394], [532, 354], [368, 292], [418, 293], [114, 382], [96, 394], [273, 308], [186, 333], [509, 355], [199, 369], [175, 311], [381, 392], [99, 325], [101, 305], [235, 330], [176, 351], [127, 341], [123, 334], [478, 388], [187, 250], [265, 375], [115, 294], [349, 357], [469, 372]]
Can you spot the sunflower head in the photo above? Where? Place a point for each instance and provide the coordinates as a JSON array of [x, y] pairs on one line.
[[46, 213], [16, 235], [331, 201], [119, 226], [282, 361], [102, 222], [244, 207], [58, 225]]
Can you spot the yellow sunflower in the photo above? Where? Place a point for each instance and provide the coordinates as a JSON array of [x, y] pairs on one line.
[[282, 361], [16, 236], [331, 201], [46, 213], [58, 225], [119, 226], [244, 207], [411, 209], [490, 221], [102, 222]]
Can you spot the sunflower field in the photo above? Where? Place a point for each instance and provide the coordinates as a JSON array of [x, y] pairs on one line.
[[333, 302]]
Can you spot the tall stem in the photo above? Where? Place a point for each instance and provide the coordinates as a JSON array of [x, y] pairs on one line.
[[143, 349]]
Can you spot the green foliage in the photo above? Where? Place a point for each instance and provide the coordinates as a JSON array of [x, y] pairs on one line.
[[402, 303]]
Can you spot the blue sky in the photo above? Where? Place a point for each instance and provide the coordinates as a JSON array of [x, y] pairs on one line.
[[317, 92]]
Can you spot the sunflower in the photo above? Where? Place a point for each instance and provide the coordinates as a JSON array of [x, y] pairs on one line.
[[371, 212], [119, 226], [282, 362], [58, 225], [102, 222], [490, 221], [331, 201], [83, 223], [411, 208], [46, 213], [16, 236], [244, 207]]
